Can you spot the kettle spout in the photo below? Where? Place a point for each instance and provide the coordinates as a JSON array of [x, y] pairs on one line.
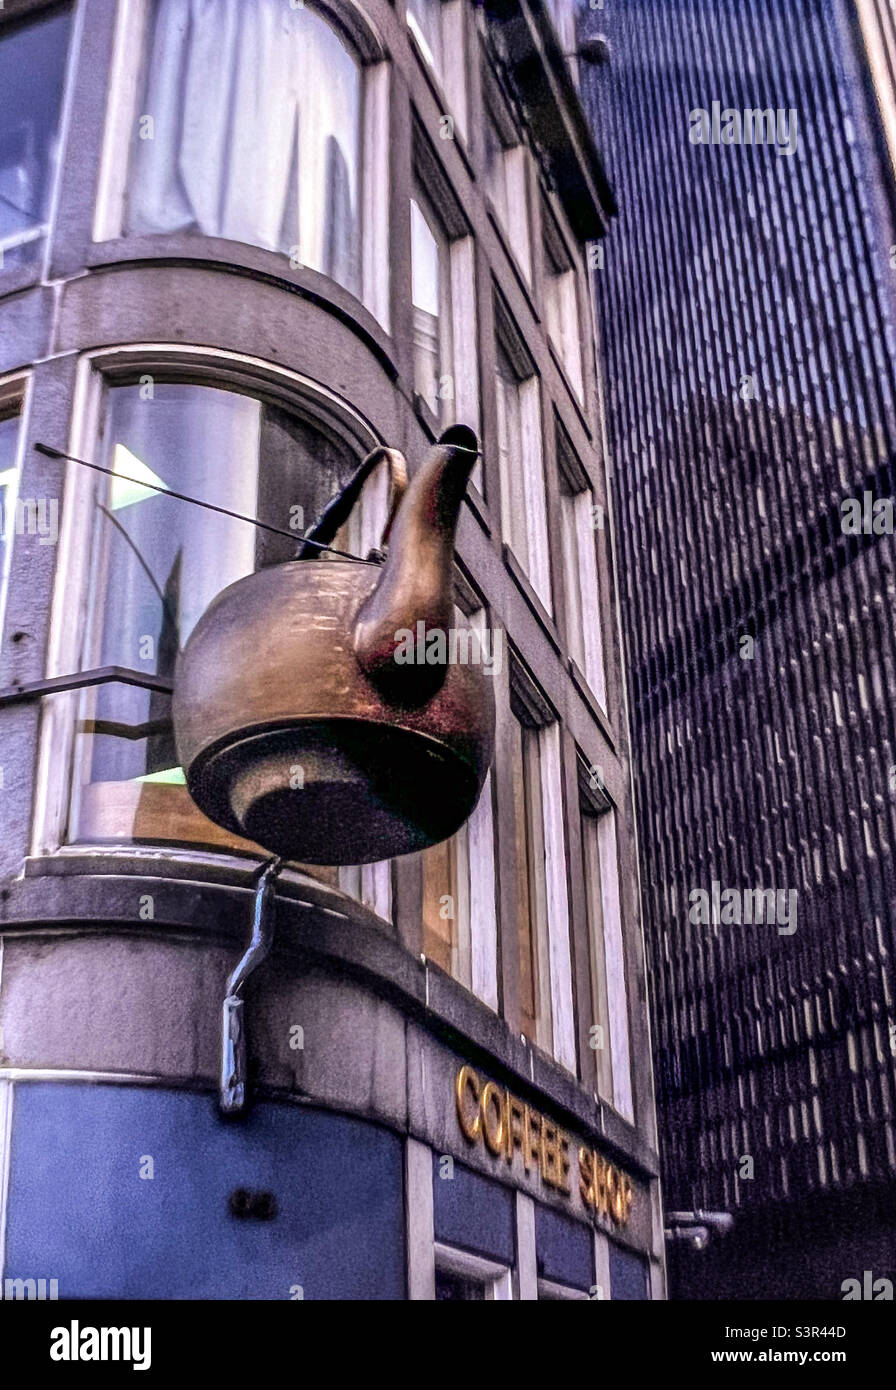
[[414, 595]]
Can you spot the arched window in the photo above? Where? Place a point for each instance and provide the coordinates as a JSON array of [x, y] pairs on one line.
[[152, 563], [249, 128]]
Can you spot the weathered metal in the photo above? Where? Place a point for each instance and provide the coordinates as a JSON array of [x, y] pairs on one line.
[[296, 725]]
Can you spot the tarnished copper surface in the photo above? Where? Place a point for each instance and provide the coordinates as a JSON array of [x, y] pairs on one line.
[[295, 725]]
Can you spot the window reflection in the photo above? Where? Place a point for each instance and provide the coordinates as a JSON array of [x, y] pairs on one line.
[[428, 290], [425, 23], [249, 129], [32, 75], [9, 474], [157, 563]]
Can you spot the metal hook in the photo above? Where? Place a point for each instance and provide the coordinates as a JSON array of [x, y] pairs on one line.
[[232, 1093]]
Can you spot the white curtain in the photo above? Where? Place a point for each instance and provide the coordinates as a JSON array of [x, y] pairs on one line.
[[255, 131]]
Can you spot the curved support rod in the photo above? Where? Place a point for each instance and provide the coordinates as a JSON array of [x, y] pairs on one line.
[[232, 1093], [339, 508]]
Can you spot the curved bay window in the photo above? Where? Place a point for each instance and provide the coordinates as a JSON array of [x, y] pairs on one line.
[[247, 126], [155, 564]]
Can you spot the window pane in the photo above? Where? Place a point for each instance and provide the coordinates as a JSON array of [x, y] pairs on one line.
[[614, 949], [254, 134], [32, 74], [451, 1287], [426, 291], [495, 168], [9, 476], [584, 632], [510, 459], [156, 564], [562, 316], [440, 905], [599, 1002], [425, 23], [535, 985]]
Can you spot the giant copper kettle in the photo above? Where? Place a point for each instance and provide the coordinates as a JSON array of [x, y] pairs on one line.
[[295, 724]]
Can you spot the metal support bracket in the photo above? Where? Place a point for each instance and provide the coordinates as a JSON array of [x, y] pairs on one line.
[[233, 1091]]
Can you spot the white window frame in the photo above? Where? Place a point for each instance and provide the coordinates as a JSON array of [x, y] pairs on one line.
[[562, 1019], [15, 399], [496, 1277], [536, 562], [444, 408], [370, 885], [441, 209], [126, 74], [563, 315], [510, 200], [550, 1289], [614, 945], [540, 741], [584, 614], [450, 75], [95, 372], [474, 954], [609, 990]]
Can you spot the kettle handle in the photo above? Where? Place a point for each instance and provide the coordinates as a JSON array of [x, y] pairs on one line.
[[339, 508]]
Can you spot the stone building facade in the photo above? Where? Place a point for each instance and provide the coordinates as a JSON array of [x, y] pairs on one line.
[[243, 244]]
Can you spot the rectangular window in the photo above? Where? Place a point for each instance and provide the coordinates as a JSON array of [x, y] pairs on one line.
[[438, 29], [506, 180], [443, 297], [459, 908], [546, 1010], [425, 23], [521, 464], [370, 884], [561, 304], [462, 1277], [9, 487], [296, 163], [578, 515], [32, 79], [608, 988], [431, 300]]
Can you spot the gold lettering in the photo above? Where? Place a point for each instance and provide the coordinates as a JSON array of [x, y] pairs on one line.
[[492, 1100], [532, 1131], [586, 1176], [625, 1198], [487, 1111], [515, 1131], [467, 1080], [549, 1163], [563, 1161], [600, 1184], [612, 1190]]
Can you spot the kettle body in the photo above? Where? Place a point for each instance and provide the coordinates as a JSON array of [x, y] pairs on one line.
[[299, 722]]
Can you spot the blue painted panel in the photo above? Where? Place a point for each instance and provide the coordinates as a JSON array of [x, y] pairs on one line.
[[628, 1274], [564, 1249], [79, 1211], [473, 1213]]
